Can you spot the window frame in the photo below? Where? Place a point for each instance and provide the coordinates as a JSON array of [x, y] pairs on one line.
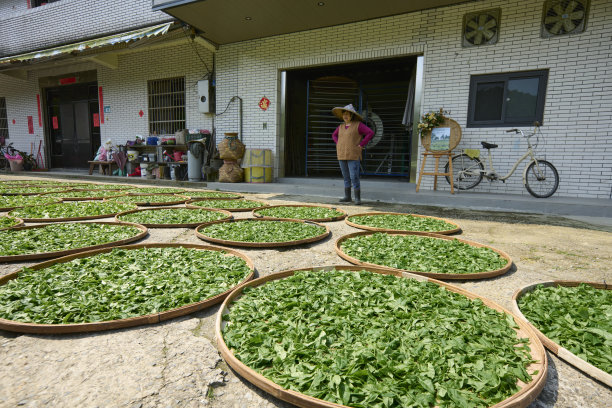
[[170, 114], [475, 80], [4, 131]]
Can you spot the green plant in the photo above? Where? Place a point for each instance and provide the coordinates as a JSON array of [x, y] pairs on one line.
[[422, 254], [577, 318], [402, 222], [300, 213], [369, 340], [61, 237], [262, 231], [119, 284], [430, 120]]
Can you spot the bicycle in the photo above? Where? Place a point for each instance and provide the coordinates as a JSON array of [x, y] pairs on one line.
[[540, 177]]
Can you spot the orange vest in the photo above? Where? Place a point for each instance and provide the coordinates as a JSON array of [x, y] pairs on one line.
[[348, 142]]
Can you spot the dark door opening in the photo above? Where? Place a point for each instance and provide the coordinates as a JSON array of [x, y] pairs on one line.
[[378, 89], [73, 130]]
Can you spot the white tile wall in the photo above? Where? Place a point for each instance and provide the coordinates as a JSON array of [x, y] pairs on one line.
[[68, 21], [577, 117]]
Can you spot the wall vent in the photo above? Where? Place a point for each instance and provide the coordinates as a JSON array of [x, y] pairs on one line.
[[481, 28], [561, 17]]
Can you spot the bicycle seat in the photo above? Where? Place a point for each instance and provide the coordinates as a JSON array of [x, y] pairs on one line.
[[488, 145]]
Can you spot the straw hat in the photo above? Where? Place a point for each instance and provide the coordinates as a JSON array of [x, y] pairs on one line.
[[337, 111]]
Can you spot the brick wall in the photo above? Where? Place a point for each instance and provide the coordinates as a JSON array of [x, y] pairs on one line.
[[577, 113], [577, 116], [68, 21], [125, 89], [10, 7]]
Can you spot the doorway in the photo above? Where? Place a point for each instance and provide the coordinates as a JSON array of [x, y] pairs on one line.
[[73, 124], [380, 90]]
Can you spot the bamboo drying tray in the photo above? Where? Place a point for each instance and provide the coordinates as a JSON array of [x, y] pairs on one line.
[[262, 244], [455, 230], [434, 275], [68, 198], [225, 195], [14, 326], [228, 216], [328, 219], [19, 223], [180, 199], [526, 394], [556, 349], [56, 200], [191, 204], [42, 255], [17, 192]]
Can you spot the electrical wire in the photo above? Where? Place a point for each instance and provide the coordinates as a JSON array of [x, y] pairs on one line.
[[192, 43]]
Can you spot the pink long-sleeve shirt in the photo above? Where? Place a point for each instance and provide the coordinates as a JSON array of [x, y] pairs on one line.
[[363, 130]]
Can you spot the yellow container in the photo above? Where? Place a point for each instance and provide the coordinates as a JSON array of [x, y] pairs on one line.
[[257, 158], [258, 174]]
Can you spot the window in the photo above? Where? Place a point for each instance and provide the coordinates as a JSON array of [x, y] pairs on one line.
[[3, 120], [512, 99], [166, 105], [38, 3]]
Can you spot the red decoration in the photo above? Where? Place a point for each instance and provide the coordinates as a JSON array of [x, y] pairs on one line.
[[67, 81], [96, 120], [141, 113], [30, 125], [101, 104], [264, 103], [39, 114], [55, 123], [13, 121]]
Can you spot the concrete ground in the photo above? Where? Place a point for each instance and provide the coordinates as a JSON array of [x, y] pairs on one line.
[[176, 363]]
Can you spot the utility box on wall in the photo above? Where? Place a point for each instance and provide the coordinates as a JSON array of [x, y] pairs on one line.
[[205, 97]]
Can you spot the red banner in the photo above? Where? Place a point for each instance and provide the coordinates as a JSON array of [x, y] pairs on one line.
[[54, 121], [39, 114], [30, 125], [96, 120], [101, 105]]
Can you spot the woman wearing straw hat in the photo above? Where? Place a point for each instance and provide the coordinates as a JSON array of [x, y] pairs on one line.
[[350, 138]]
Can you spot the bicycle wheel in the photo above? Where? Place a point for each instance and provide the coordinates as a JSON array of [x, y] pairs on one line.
[[467, 172], [541, 179], [4, 163]]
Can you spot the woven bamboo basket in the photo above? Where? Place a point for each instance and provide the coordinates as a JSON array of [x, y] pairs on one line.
[[455, 136], [121, 323], [205, 237], [202, 204], [42, 255], [556, 349], [328, 219], [455, 230], [228, 216], [434, 275], [526, 394]]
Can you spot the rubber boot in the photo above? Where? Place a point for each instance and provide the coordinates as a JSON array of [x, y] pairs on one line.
[[347, 195], [357, 196]]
